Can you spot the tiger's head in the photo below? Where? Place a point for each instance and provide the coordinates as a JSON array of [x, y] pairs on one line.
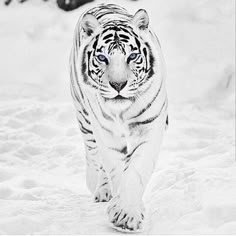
[[117, 60]]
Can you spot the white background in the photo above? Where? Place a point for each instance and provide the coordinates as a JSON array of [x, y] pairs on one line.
[[42, 166]]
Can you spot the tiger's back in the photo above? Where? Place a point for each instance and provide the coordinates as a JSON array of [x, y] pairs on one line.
[[118, 88]]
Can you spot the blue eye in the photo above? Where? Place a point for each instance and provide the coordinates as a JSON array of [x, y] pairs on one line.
[[132, 56], [102, 58]]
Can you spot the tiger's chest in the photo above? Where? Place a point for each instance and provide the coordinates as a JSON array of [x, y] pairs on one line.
[[109, 130], [113, 128]]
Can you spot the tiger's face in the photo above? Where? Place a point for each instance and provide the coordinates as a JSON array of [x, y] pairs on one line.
[[117, 62]]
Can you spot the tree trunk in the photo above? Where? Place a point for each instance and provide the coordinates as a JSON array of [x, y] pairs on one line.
[[69, 5]]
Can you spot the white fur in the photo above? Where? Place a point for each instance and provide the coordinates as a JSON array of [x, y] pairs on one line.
[[126, 187]]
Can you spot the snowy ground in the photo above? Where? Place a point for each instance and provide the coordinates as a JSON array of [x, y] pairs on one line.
[[42, 167]]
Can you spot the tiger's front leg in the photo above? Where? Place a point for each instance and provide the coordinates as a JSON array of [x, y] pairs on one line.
[[103, 188], [126, 209], [96, 176]]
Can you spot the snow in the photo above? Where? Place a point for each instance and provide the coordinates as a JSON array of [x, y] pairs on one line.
[[42, 166]]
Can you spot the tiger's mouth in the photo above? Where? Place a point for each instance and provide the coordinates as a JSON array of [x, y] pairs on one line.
[[118, 98]]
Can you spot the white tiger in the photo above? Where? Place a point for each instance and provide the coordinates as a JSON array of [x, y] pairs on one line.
[[118, 89]]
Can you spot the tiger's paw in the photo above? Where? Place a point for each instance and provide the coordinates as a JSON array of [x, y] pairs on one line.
[[103, 194], [125, 218]]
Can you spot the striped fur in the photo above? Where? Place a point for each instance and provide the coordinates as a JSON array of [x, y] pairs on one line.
[[118, 88]]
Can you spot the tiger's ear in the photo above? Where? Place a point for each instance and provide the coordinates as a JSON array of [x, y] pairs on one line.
[[89, 23], [141, 19]]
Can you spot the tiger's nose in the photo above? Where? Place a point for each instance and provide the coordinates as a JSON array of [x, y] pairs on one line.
[[118, 86]]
